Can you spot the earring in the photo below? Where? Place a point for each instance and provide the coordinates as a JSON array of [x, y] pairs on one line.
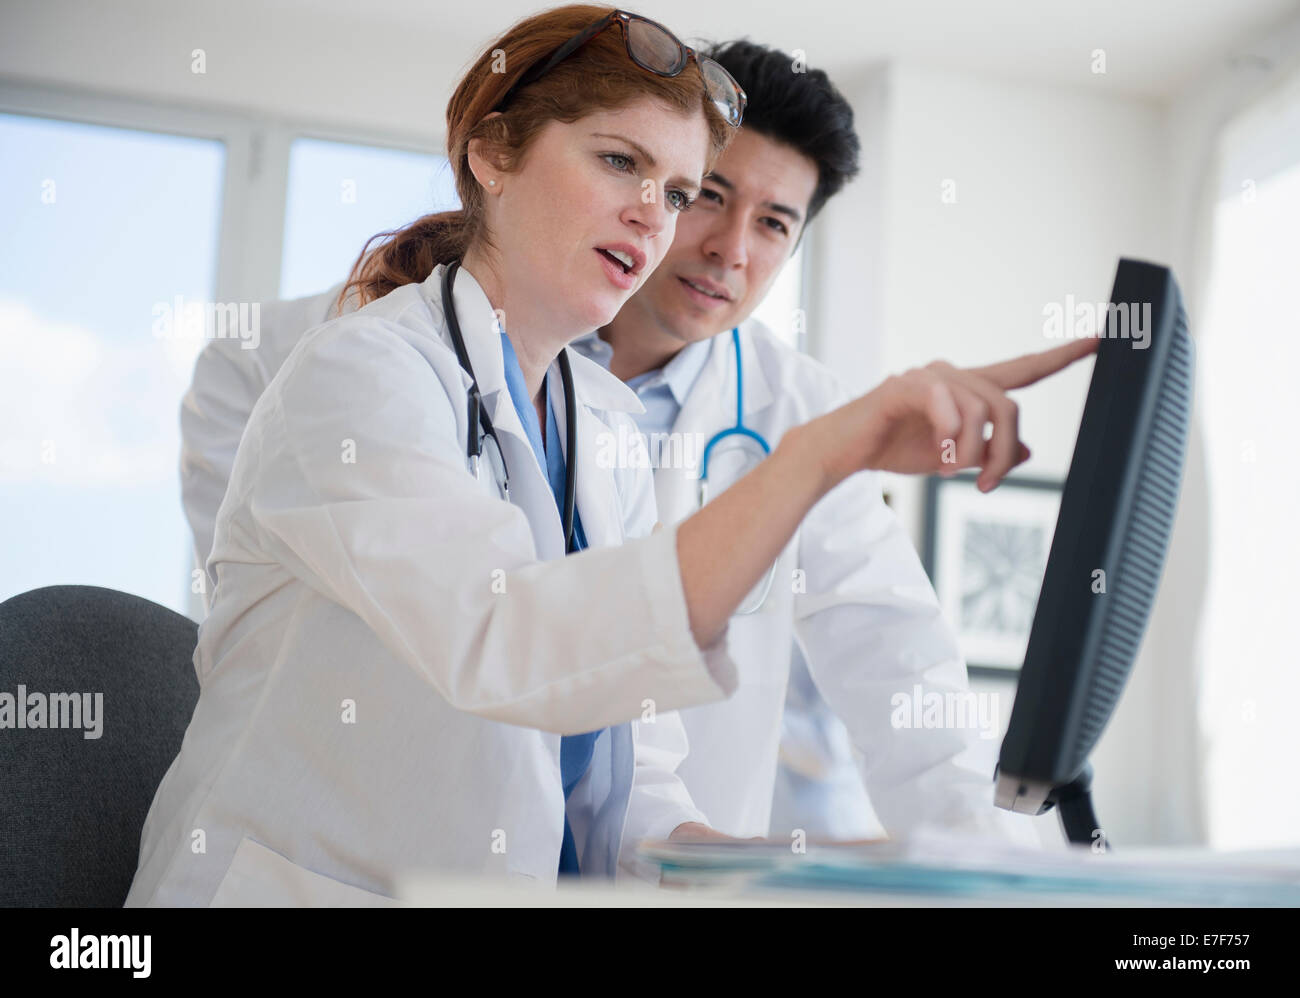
[[492, 183]]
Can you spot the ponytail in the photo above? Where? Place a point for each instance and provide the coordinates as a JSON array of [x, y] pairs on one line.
[[406, 255]]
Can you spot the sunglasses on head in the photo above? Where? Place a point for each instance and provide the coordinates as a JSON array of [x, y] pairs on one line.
[[654, 48]]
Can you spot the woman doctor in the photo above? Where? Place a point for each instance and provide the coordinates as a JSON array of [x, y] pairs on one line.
[[401, 671]]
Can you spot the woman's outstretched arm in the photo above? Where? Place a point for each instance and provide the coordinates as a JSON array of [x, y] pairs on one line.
[[928, 420]]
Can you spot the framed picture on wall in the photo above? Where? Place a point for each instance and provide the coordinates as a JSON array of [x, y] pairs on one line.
[[986, 555]]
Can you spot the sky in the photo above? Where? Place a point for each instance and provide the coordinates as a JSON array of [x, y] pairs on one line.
[[104, 226]]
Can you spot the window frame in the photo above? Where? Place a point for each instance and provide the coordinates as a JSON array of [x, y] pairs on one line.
[[255, 186]]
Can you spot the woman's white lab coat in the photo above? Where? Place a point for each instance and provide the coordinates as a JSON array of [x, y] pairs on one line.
[[393, 652]]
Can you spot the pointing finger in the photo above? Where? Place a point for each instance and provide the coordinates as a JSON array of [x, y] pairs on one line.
[[1033, 367]]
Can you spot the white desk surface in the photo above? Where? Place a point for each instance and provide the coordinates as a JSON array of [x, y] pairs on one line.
[[469, 893]]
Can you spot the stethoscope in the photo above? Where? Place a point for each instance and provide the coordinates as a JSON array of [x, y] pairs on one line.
[[480, 423], [746, 434]]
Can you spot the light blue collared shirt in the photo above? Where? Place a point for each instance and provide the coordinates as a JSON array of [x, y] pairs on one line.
[[662, 391]]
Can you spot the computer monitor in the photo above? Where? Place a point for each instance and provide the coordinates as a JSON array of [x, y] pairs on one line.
[[1108, 552]]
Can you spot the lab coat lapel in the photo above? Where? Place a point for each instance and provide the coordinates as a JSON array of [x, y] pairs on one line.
[[703, 414], [529, 488], [595, 494]]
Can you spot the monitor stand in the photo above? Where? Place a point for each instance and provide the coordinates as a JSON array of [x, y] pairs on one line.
[[1078, 819]]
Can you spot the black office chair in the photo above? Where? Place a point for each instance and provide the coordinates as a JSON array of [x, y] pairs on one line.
[[72, 808]]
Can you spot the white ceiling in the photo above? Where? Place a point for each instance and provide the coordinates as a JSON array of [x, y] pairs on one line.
[[392, 63], [1154, 47]]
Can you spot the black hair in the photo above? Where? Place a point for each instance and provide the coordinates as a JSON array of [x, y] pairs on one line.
[[798, 107]]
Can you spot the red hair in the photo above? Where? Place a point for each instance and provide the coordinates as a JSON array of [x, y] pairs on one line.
[[597, 77]]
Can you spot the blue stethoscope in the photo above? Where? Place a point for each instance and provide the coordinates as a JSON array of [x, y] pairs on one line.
[[740, 430]]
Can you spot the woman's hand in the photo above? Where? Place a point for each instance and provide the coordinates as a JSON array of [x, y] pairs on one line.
[[931, 419]]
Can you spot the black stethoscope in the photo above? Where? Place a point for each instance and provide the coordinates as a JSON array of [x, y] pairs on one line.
[[480, 420]]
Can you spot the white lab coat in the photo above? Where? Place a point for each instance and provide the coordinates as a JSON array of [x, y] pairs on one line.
[[864, 614], [393, 652]]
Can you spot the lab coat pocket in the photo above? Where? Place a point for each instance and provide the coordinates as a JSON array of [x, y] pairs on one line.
[[259, 877]]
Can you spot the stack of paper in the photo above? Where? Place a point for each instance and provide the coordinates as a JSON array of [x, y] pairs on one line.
[[938, 863]]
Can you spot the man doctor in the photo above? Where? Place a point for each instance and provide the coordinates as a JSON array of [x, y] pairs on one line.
[[849, 587]]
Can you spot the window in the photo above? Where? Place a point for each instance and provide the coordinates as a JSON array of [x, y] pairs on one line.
[[340, 195], [105, 229], [782, 309], [1247, 354]]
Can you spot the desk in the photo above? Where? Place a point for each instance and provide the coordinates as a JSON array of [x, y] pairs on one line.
[[934, 869]]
